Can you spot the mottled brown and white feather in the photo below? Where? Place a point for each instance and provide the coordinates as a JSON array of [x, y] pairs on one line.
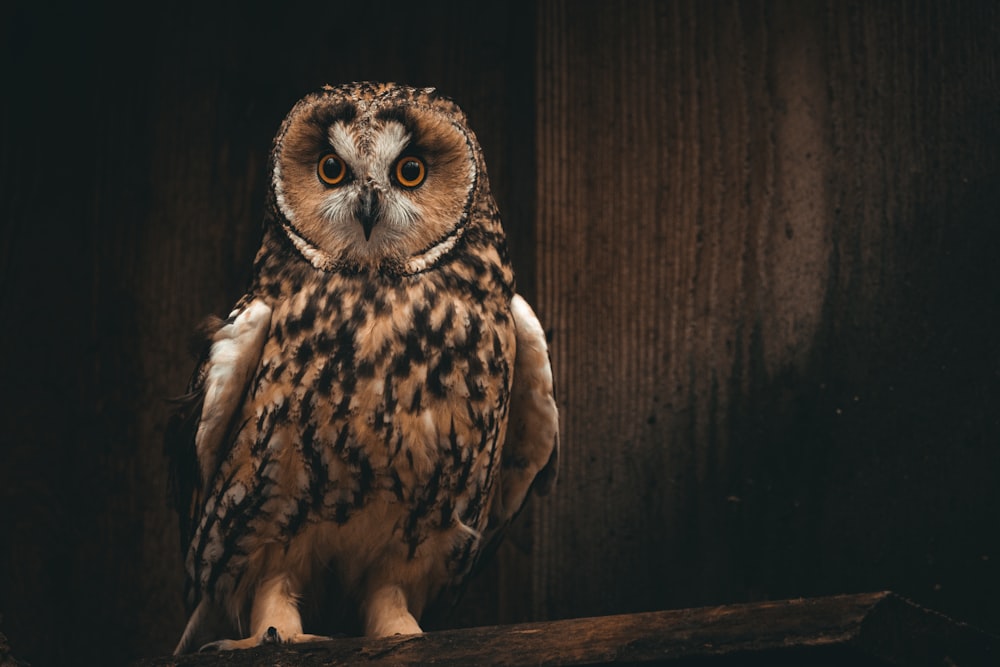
[[531, 451], [233, 358]]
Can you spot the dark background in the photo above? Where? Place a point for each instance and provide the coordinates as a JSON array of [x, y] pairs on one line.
[[764, 238]]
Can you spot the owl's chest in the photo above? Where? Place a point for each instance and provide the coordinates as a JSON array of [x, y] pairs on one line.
[[396, 375]]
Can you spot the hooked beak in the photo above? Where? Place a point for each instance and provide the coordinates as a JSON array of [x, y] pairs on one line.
[[368, 211]]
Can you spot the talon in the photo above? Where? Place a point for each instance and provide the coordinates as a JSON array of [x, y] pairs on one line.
[[230, 644], [213, 647], [271, 636]]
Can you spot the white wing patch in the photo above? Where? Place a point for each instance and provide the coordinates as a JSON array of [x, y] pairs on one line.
[[233, 358], [531, 451]]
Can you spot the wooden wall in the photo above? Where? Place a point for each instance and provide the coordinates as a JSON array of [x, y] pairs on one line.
[[766, 240], [762, 235]]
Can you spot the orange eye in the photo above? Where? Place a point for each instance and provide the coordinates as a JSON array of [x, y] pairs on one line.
[[410, 171], [331, 169]]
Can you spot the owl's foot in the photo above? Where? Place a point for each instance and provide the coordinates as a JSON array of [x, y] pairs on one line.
[[386, 614], [275, 618], [269, 636]]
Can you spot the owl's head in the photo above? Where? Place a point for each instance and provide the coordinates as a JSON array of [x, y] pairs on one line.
[[374, 175]]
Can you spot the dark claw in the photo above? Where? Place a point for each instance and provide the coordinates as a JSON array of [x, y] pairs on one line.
[[271, 636]]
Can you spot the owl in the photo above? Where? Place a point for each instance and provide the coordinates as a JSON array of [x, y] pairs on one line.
[[378, 406]]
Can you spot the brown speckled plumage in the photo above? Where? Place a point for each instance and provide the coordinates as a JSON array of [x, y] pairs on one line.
[[347, 428]]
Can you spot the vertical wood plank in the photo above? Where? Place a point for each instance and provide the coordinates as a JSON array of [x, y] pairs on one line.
[[749, 218]]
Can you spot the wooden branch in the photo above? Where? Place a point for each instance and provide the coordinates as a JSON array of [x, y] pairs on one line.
[[869, 629]]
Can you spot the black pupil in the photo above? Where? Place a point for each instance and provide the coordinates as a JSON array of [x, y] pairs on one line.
[[410, 171], [332, 168]]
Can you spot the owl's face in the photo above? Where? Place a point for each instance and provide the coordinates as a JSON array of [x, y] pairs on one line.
[[369, 174]]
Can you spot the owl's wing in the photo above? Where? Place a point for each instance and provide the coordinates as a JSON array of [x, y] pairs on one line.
[[196, 438], [530, 458], [531, 452]]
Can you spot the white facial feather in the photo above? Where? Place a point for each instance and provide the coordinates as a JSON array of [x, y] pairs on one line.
[[279, 192], [342, 143], [374, 169], [338, 208], [388, 147]]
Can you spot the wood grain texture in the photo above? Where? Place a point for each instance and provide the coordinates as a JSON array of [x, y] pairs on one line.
[[750, 219]]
